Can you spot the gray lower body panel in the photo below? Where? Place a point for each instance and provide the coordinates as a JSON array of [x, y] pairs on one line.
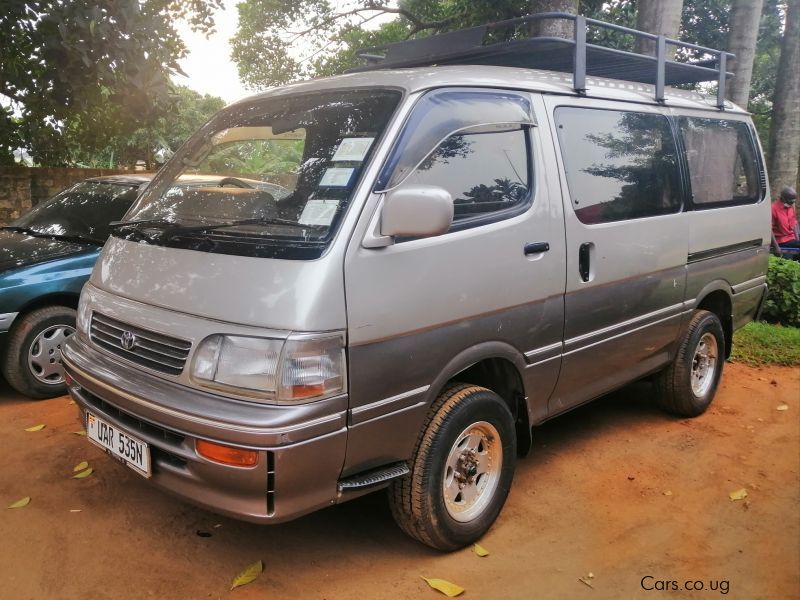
[[394, 381]]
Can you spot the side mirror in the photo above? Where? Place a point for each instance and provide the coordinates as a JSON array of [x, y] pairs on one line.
[[417, 211]]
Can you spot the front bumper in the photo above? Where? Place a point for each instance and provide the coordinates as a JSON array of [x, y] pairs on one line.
[[301, 448]]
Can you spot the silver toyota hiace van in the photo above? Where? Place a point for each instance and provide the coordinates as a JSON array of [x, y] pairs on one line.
[[392, 275]]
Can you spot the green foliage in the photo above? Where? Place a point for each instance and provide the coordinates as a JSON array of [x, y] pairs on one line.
[[85, 62], [765, 68], [180, 115], [759, 344], [783, 300], [269, 31], [265, 158]]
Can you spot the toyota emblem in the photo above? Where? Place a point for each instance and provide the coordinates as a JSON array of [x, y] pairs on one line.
[[128, 340]]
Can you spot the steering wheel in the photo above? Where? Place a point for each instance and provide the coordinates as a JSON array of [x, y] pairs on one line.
[[236, 182]]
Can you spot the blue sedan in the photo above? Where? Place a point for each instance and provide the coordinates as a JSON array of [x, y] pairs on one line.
[[45, 258]]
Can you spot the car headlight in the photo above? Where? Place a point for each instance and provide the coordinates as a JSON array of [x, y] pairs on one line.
[[303, 367]]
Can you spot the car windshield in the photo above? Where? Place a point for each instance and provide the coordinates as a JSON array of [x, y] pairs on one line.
[[265, 178], [82, 212]]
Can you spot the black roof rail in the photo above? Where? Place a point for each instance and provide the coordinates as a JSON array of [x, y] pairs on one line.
[[474, 46]]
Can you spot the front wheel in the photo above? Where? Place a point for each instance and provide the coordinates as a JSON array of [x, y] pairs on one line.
[[687, 386], [461, 470], [32, 362]]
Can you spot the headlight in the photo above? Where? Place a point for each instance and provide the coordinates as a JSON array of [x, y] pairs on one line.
[[304, 367]]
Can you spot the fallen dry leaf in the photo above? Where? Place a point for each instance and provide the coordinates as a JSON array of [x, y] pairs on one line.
[[80, 466], [81, 432], [249, 575], [451, 590], [20, 503], [587, 580], [782, 406], [480, 550], [83, 474], [740, 494], [35, 428], [668, 493]]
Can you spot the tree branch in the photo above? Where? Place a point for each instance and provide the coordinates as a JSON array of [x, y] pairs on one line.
[[372, 6]]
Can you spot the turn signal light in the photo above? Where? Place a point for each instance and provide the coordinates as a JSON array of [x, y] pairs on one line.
[[226, 455], [301, 392]]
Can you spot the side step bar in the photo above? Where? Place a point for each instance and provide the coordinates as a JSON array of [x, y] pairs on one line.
[[375, 477]]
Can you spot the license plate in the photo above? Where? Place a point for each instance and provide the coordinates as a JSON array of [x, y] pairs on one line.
[[121, 445]]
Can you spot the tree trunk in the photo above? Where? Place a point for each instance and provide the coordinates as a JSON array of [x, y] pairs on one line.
[[784, 131], [661, 17], [745, 18], [549, 27]]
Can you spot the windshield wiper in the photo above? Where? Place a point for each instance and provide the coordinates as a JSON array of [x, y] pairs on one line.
[[81, 239], [181, 229], [115, 225]]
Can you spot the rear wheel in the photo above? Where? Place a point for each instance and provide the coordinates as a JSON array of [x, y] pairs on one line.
[[461, 470], [32, 362], [688, 385]]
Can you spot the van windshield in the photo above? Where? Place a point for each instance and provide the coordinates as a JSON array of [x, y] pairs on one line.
[[268, 178]]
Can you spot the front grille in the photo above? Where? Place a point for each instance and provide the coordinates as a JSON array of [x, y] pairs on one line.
[[150, 349]]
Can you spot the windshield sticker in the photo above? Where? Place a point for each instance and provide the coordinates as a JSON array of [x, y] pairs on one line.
[[354, 149], [336, 177], [319, 212]]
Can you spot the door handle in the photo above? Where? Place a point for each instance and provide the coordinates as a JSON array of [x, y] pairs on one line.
[[584, 258], [536, 248]]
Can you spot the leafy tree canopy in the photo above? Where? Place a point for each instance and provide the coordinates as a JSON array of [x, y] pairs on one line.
[[71, 60], [270, 31], [90, 145]]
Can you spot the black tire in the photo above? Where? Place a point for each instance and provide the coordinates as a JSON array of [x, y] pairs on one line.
[[418, 501], [16, 366], [674, 390]]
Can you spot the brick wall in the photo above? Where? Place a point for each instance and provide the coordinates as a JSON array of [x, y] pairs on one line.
[[24, 187], [15, 193]]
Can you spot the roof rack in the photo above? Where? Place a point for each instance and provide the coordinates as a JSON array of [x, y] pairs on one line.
[[478, 46]]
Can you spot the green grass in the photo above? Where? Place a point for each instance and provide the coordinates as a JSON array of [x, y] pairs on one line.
[[759, 344]]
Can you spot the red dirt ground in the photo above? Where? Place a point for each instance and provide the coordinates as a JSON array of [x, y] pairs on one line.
[[616, 489]]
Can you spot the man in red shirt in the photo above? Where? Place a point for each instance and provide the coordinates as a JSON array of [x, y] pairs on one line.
[[784, 219]]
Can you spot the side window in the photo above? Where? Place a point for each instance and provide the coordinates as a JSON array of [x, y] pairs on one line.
[[475, 144], [484, 171], [619, 165], [723, 162]]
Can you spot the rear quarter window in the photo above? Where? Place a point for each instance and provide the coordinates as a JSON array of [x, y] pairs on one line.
[[723, 162]]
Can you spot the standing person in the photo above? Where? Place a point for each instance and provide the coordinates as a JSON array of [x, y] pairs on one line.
[[784, 219]]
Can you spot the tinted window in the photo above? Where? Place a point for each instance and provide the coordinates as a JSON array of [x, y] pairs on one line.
[[723, 163], [619, 165], [441, 113], [84, 210], [484, 171]]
